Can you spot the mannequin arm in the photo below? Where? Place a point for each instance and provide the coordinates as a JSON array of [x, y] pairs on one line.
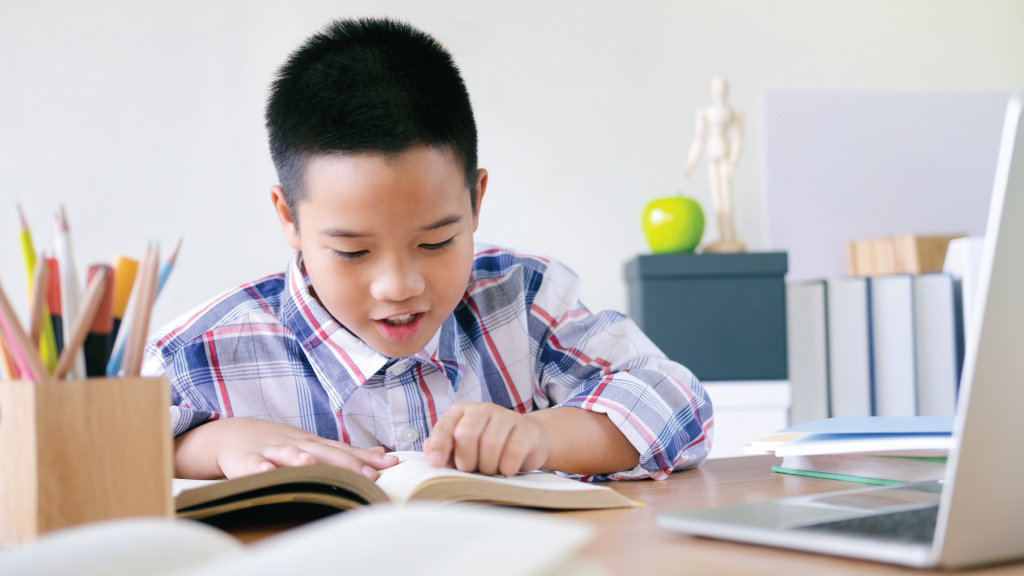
[[737, 138], [698, 143]]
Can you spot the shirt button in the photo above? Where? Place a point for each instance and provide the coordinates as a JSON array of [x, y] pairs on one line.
[[410, 435], [400, 367]]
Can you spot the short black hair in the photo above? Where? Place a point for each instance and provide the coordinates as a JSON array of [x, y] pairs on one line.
[[367, 85]]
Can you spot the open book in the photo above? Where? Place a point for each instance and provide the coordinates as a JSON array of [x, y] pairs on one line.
[[410, 479]]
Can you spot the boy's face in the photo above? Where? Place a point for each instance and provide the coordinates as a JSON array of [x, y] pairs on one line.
[[387, 241]]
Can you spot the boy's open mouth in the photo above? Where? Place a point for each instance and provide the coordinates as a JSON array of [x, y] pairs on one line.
[[401, 327], [400, 320]]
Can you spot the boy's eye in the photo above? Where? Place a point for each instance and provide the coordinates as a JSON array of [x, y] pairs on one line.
[[439, 245], [350, 255]]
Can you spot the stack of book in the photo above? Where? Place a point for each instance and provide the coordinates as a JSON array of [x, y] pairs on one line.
[[888, 345], [875, 450], [905, 254]]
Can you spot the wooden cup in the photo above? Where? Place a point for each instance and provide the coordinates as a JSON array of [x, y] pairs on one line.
[[80, 451]]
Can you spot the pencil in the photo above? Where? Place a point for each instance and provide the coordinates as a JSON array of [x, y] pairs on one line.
[[117, 355], [37, 314], [23, 351], [125, 270], [69, 288], [53, 302], [7, 366], [83, 320], [46, 341], [143, 306], [166, 266], [97, 342]]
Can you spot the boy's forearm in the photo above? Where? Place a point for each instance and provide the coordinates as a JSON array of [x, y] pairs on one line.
[[195, 453], [584, 442]]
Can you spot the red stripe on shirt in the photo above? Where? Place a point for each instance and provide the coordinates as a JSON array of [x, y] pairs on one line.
[[604, 364], [221, 385], [249, 329], [427, 395], [497, 358], [319, 331]]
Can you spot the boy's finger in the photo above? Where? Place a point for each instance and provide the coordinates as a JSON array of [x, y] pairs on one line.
[[341, 459], [440, 447], [516, 449], [492, 444], [252, 463], [288, 455], [372, 457], [467, 439]]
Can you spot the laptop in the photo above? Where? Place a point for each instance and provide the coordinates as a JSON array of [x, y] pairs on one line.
[[975, 516]]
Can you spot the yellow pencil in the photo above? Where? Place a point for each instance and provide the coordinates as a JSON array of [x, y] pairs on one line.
[[47, 341]]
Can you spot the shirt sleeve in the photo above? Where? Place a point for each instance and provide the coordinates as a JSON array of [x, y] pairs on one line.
[[604, 363], [183, 416]]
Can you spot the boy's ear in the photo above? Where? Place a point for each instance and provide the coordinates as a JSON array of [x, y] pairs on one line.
[[481, 187], [289, 226]]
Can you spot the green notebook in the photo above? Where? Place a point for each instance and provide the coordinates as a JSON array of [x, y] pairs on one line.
[[842, 477], [812, 466]]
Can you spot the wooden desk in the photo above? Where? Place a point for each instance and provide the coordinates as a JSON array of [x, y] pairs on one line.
[[629, 542]]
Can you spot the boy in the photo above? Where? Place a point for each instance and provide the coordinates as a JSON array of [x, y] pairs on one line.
[[389, 330]]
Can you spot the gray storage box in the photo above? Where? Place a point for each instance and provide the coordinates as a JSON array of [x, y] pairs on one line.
[[723, 316]]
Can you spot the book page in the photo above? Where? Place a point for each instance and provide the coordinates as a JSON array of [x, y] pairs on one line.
[[179, 485], [399, 481]]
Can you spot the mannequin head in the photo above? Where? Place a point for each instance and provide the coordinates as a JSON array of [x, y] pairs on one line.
[[719, 90]]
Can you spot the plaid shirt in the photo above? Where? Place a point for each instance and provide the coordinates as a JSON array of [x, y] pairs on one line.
[[519, 338]]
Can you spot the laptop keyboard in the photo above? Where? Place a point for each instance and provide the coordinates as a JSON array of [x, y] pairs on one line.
[[912, 526]]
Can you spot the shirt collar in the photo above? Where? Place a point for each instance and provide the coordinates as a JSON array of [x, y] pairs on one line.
[[340, 359]]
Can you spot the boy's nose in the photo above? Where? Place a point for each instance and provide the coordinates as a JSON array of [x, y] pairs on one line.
[[397, 281]]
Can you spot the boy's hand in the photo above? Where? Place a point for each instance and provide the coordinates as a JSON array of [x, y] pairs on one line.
[[489, 438], [242, 446]]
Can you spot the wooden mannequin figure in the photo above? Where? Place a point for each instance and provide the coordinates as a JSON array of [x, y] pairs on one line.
[[719, 131]]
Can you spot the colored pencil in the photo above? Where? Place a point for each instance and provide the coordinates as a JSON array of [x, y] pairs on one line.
[[143, 306], [97, 342], [23, 351], [117, 355], [38, 314], [83, 321], [166, 266], [53, 302], [8, 370], [47, 342], [69, 288], [125, 270]]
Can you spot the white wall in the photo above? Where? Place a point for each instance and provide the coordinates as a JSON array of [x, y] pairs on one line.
[[146, 118], [841, 166]]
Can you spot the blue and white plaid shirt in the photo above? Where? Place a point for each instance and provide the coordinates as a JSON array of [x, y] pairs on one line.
[[520, 338]]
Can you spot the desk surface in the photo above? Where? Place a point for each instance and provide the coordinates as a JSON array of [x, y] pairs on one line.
[[629, 542]]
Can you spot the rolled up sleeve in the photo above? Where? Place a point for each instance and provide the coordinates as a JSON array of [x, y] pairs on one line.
[[604, 363]]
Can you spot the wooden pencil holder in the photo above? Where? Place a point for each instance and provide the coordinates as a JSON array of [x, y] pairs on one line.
[[80, 451]]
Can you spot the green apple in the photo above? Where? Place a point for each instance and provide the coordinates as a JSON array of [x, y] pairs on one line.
[[673, 224]]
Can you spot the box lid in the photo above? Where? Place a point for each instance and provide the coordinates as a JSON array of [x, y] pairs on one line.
[[707, 265]]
